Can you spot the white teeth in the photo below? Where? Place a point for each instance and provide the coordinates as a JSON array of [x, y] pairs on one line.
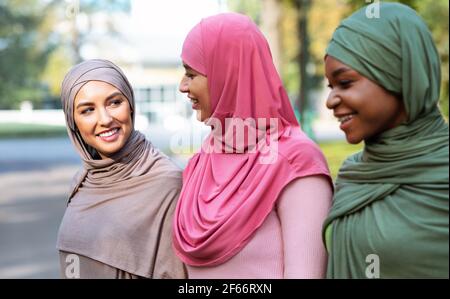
[[109, 133], [345, 118], [194, 101]]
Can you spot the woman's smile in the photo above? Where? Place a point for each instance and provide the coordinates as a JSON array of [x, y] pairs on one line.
[[195, 104], [363, 108], [103, 117], [195, 85], [345, 120], [110, 135]]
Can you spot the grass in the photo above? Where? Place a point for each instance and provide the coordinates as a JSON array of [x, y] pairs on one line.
[[336, 152], [21, 130]]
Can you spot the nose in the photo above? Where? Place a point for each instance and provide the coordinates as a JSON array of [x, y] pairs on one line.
[[333, 100], [184, 85], [104, 117]]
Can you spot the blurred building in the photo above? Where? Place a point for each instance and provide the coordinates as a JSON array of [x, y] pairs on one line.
[[146, 43]]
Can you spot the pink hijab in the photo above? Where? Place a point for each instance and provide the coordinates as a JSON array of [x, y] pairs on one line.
[[227, 196]]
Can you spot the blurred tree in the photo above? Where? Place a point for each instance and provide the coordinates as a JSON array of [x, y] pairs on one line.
[[72, 38], [357, 4], [251, 8], [303, 33], [39, 41], [57, 65], [304, 36], [25, 45], [303, 58], [87, 8], [435, 14], [270, 26], [267, 15], [306, 33]]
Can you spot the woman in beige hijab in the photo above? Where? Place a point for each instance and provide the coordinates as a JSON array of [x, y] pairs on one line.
[[118, 220]]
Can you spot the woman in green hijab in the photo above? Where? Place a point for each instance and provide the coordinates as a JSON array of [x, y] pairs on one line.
[[390, 214]]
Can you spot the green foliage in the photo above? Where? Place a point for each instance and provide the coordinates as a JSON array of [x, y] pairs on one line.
[[33, 55], [20, 130], [357, 4], [251, 8], [23, 54], [435, 14]]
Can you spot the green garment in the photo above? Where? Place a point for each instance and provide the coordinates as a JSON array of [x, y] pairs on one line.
[[391, 199]]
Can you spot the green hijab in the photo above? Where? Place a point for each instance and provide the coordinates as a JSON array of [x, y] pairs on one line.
[[390, 209]]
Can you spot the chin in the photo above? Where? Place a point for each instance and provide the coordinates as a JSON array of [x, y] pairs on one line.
[[111, 150], [353, 140], [198, 116]]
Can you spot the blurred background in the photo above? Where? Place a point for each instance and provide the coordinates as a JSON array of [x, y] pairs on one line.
[[41, 39]]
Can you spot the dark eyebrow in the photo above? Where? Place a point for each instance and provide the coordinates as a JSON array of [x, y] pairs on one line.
[[88, 103], [187, 67], [339, 71], [117, 93], [85, 103]]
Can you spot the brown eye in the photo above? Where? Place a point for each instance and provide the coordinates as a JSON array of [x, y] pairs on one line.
[[345, 83], [116, 102], [87, 110]]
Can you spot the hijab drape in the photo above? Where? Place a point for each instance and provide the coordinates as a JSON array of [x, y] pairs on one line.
[[120, 207], [391, 199], [226, 196]]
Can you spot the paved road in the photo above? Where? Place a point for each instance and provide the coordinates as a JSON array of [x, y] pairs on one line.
[[31, 207], [34, 178], [35, 175]]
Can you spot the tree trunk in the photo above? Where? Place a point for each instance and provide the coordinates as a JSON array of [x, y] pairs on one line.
[[270, 20], [303, 57]]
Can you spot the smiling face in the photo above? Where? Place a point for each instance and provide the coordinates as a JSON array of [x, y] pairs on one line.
[[196, 87], [363, 108], [102, 115]]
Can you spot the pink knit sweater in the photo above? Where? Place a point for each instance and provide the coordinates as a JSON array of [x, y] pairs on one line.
[[289, 242]]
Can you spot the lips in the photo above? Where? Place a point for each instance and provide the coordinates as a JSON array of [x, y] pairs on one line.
[[345, 120], [109, 135], [195, 103]]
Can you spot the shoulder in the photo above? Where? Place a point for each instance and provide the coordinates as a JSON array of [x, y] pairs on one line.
[[298, 144], [303, 153], [309, 190], [313, 184]]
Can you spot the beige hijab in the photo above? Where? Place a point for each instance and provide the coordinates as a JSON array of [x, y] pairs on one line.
[[120, 208]]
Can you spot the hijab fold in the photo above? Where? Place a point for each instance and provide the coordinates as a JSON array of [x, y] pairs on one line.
[[391, 198], [120, 207]]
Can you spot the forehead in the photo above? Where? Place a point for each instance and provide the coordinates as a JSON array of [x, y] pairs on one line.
[[95, 90], [331, 62], [334, 67]]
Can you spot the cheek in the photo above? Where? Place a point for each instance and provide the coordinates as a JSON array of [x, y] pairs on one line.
[[206, 100], [85, 125], [361, 101], [124, 116]]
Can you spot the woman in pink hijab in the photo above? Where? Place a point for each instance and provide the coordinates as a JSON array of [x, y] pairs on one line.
[[255, 197]]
